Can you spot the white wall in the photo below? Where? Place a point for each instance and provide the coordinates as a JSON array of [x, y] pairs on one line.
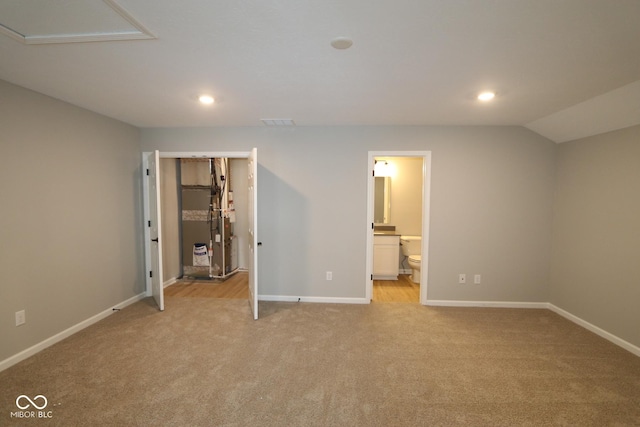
[[491, 207], [70, 216], [596, 238], [406, 194]]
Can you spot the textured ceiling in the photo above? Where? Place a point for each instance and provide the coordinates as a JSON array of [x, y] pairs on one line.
[[413, 62]]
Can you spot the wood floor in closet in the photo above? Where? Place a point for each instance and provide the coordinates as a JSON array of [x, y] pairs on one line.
[[235, 287]]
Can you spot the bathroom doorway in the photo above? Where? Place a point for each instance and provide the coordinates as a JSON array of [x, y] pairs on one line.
[[399, 185]]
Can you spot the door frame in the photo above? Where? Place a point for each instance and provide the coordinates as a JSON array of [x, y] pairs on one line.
[[426, 212], [145, 192]]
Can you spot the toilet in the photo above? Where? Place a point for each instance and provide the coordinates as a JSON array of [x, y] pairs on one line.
[[411, 247]]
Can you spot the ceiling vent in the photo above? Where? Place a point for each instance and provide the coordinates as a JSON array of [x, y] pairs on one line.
[[278, 122]]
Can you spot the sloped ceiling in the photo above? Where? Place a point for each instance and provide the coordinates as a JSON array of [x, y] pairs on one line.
[[565, 69], [613, 110]]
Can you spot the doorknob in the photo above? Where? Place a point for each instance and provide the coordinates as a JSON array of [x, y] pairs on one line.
[[154, 240], [259, 243]]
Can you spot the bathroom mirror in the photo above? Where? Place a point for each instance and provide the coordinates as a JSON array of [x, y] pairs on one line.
[[382, 200]]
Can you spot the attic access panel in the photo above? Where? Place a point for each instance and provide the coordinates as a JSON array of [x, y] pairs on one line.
[[68, 21]]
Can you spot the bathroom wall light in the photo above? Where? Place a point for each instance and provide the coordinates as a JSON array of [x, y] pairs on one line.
[[381, 168]]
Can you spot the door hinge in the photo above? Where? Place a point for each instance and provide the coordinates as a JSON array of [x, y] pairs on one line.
[[147, 172], [150, 273], [149, 223], [372, 277], [372, 227]]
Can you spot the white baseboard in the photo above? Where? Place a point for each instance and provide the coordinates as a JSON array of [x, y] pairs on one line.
[[497, 304], [169, 282], [16, 358], [596, 330], [330, 300]]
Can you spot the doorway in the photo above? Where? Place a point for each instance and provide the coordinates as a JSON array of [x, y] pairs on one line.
[[203, 218], [204, 227], [386, 233], [153, 234]]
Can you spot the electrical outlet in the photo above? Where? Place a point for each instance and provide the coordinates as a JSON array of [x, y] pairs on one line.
[[329, 275], [21, 318], [477, 279], [462, 278]]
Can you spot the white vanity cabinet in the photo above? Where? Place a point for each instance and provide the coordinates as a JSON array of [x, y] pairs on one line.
[[386, 250]]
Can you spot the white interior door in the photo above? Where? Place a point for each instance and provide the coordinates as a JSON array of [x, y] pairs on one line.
[[155, 229], [253, 231]]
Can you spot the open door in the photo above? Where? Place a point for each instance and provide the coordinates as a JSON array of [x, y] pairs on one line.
[[155, 229], [253, 231]]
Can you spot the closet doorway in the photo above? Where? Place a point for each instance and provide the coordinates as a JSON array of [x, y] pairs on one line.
[[226, 224]]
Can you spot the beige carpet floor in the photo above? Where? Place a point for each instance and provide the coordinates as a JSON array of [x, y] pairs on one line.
[[203, 362]]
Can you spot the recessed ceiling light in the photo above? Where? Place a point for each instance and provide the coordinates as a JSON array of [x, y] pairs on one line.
[[486, 96], [341, 43], [206, 99]]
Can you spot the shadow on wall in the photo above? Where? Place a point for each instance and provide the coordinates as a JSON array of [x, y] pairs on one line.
[[283, 223]]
